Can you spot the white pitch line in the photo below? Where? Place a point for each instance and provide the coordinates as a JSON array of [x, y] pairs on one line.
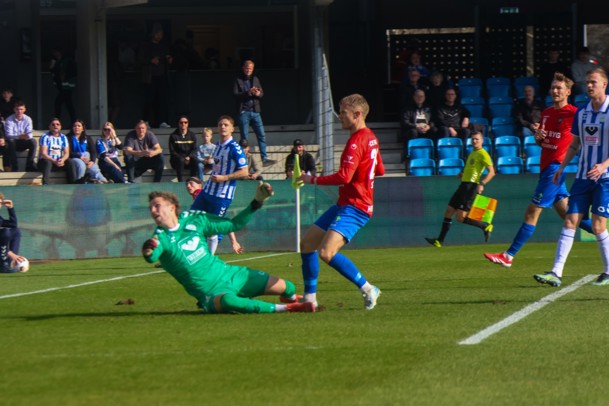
[[118, 278], [521, 314]]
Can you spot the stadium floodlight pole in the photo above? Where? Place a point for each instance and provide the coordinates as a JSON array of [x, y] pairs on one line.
[[298, 220]]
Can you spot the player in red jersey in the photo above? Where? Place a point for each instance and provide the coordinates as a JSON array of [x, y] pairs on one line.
[[554, 137], [360, 162]]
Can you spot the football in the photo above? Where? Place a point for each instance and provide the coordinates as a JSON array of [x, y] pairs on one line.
[[22, 266]]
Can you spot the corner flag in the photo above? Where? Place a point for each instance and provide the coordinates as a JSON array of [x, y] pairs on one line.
[[296, 184], [483, 209]]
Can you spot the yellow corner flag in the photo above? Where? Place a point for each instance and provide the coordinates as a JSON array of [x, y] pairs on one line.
[[296, 184], [483, 209]]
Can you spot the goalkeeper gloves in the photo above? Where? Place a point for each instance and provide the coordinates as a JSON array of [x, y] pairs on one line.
[[149, 246]]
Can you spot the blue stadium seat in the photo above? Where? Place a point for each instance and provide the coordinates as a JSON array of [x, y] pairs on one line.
[[420, 148], [487, 144], [450, 166], [503, 126], [470, 87], [500, 106], [498, 87], [509, 165], [532, 164], [572, 166], [520, 83], [482, 121], [549, 101], [422, 167], [475, 105], [450, 147], [507, 145], [580, 100], [530, 146]]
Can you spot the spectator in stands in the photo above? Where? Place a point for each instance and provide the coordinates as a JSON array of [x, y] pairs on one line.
[[7, 103], [19, 131], [547, 70], [580, 68], [10, 238], [63, 69], [55, 153], [306, 160], [417, 119], [107, 147], [252, 166], [414, 63], [205, 153], [142, 151], [527, 112], [183, 149], [408, 87], [452, 118], [437, 89], [6, 151], [247, 91], [83, 154]]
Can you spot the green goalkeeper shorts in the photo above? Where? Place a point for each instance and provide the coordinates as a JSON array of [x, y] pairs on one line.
[[245, 282]]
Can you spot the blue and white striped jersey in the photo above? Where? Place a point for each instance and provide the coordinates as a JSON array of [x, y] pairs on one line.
[[55, 144], [592, 128], [228, 158]]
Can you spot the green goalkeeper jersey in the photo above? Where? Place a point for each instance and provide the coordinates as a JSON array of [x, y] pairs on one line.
[[183, 251]]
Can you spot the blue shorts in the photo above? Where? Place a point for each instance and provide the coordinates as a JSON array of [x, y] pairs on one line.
[[345, 220], [547, 192], [211, 204], [586, 193]]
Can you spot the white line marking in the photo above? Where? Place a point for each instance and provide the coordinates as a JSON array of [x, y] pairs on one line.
[[521, 314], [118, 278]]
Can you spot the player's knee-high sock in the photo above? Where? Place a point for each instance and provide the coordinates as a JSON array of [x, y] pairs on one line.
[[476, 223], [586, 225], [347, 269], [565, 242], [522, 236], [290, 290], [310, 271], [232, 303], [445, 227], [603, 244], [212, 243]]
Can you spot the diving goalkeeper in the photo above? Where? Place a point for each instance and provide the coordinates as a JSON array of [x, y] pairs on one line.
[[179, 244]]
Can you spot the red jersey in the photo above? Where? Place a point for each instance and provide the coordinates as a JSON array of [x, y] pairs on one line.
[[360, 162], [557, 123]]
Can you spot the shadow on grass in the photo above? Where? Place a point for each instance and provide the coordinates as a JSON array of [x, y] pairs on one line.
[[43, 317]]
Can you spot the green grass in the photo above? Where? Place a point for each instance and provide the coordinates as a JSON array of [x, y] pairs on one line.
[[76, 346]]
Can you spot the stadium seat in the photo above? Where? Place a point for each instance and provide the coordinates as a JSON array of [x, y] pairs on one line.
[[500, 106], [422, 167], [420, 148], [481, 122], [580, 100], [530, 146], [532, 164], [549, 101], [520, 83], [509, 165], [475, 105], [487, 144], [450, 147], [507, 145], [503, 126], [470, 87], [498, 87], [572, 166], [450, 166]]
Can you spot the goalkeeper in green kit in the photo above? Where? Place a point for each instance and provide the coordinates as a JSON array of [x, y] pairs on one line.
[[180, 245]]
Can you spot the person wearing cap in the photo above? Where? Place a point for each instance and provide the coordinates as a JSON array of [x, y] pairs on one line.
[[252, 166], [306, 160]]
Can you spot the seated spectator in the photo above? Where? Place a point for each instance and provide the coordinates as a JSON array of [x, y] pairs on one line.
[[84, 154], [414, 63], [527, 112], [305, 159], [408, 87], [579, 69], [142, 151], [452, 118], [183, 149], [10, 238], [107, 147], [252, 166], [417, 119], [19, 131], [7, 103], [437, 89], [547, 70], [6, 151], [55, 154], [205, 153]]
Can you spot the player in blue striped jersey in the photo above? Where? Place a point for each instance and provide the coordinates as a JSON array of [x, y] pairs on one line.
[[230, 164], [590, 190]]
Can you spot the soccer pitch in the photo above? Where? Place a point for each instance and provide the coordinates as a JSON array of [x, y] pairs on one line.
[[66, 341]]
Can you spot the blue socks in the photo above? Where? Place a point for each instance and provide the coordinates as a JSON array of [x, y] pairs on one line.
[[522, 236], [310, 271], [347, 269]]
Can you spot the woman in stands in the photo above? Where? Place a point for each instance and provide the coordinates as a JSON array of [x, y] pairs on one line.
[[107, 154]]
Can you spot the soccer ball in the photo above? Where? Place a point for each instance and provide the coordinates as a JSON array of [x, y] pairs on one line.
[[22, 266]]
